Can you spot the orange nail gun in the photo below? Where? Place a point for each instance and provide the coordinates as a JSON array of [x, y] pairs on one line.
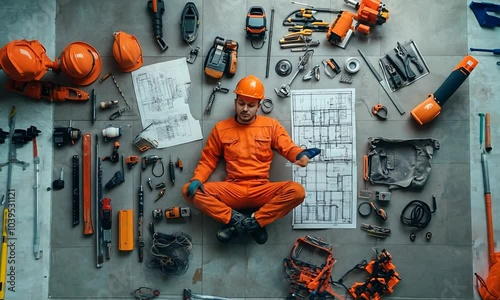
[[369, 14], [431, 107], [46, 90]]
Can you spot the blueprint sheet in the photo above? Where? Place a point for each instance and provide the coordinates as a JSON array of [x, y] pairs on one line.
[[325, 119], [162, 92]]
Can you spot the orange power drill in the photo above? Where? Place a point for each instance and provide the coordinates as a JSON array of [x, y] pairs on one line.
[[431, 107]]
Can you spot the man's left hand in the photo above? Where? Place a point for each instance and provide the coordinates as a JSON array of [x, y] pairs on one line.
[[303, 157]]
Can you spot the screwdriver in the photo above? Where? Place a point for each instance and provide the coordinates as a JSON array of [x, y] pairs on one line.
[[171, 170]]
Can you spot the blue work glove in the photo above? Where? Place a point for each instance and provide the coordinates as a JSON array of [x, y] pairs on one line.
[[310, 153], [193, 187]]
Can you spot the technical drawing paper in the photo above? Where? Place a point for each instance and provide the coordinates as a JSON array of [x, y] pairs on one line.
[[325, 119], [162, 92]]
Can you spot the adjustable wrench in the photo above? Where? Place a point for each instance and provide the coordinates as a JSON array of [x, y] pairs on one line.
[[284, 90]]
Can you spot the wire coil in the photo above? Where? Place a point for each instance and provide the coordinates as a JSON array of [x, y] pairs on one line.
[[171, 252]]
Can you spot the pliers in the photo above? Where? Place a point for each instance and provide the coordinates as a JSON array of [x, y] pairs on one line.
[[216, 89], [406, 58]]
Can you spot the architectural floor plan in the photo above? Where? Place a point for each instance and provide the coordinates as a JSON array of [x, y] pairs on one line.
[[162, 92], [325, 119]]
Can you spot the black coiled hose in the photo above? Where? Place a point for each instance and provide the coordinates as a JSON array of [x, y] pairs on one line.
[[419, 214]]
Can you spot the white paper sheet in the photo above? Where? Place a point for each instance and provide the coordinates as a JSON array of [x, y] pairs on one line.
[[325, 119], [162, 93]]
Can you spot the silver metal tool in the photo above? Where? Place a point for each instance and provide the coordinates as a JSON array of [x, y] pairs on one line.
[[211, 101], [188, 295], [98, 206], [36, 240], [284, 90], [381, 82]]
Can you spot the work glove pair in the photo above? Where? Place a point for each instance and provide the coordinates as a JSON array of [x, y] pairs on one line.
[[193, 187], [303, 157]]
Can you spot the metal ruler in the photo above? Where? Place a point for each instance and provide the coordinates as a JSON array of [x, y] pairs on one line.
[[76, 190]]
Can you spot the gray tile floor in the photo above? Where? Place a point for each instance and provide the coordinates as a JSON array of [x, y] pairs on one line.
[[440, 269]]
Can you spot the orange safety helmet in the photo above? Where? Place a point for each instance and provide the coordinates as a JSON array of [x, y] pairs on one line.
[[250, 87], [24, 60], [127, 51], [81, 62]]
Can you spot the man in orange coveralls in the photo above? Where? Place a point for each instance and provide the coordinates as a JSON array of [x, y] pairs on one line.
[[246, 141]]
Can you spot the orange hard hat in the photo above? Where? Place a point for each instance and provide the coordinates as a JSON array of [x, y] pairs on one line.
[[81, 62], [24, 60], [250, 87], [127, 52]]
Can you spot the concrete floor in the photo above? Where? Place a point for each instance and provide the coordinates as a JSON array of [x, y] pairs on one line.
[[438, 269]]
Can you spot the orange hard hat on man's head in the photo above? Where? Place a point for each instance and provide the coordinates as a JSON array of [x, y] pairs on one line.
[[24, 60], [250, 88], [81, 62], [127, 52]]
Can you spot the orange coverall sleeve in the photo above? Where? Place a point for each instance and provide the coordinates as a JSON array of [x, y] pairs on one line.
[[283, 144], [210, 156]]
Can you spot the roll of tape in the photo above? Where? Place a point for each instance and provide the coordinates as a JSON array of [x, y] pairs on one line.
[[267, 105], [352, 65]]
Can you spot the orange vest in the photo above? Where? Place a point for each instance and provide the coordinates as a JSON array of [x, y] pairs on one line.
[[247, 149]]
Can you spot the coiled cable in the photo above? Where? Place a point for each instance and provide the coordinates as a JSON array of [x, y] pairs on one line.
[[419, 214]]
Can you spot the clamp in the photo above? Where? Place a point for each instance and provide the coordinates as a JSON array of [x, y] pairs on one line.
[[216, 89], [380, 111]]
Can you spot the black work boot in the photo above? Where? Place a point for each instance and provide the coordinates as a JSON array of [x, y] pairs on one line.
[[232, 229], [259, 234]]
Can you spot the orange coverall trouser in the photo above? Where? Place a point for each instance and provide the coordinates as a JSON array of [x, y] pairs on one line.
[[272, 200]]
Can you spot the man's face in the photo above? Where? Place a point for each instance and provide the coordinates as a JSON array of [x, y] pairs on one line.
[[246, 110]]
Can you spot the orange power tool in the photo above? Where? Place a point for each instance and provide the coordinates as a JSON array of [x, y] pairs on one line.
[[431, 107], [46, 90]]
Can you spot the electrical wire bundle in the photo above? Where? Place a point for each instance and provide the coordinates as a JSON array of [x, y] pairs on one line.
[[171, 252], [419, 215]]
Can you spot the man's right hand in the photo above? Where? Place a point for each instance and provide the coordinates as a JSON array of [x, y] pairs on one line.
[[193, 188]]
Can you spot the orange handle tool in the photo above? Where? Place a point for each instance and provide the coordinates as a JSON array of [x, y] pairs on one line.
[[365, 167], [487, 132], [87, 184], [489, 219], [431, 107]]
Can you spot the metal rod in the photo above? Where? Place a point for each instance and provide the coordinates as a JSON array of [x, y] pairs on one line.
[[36, 240], [98, 195], [380, 81], [270, 42], [489, 218]]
